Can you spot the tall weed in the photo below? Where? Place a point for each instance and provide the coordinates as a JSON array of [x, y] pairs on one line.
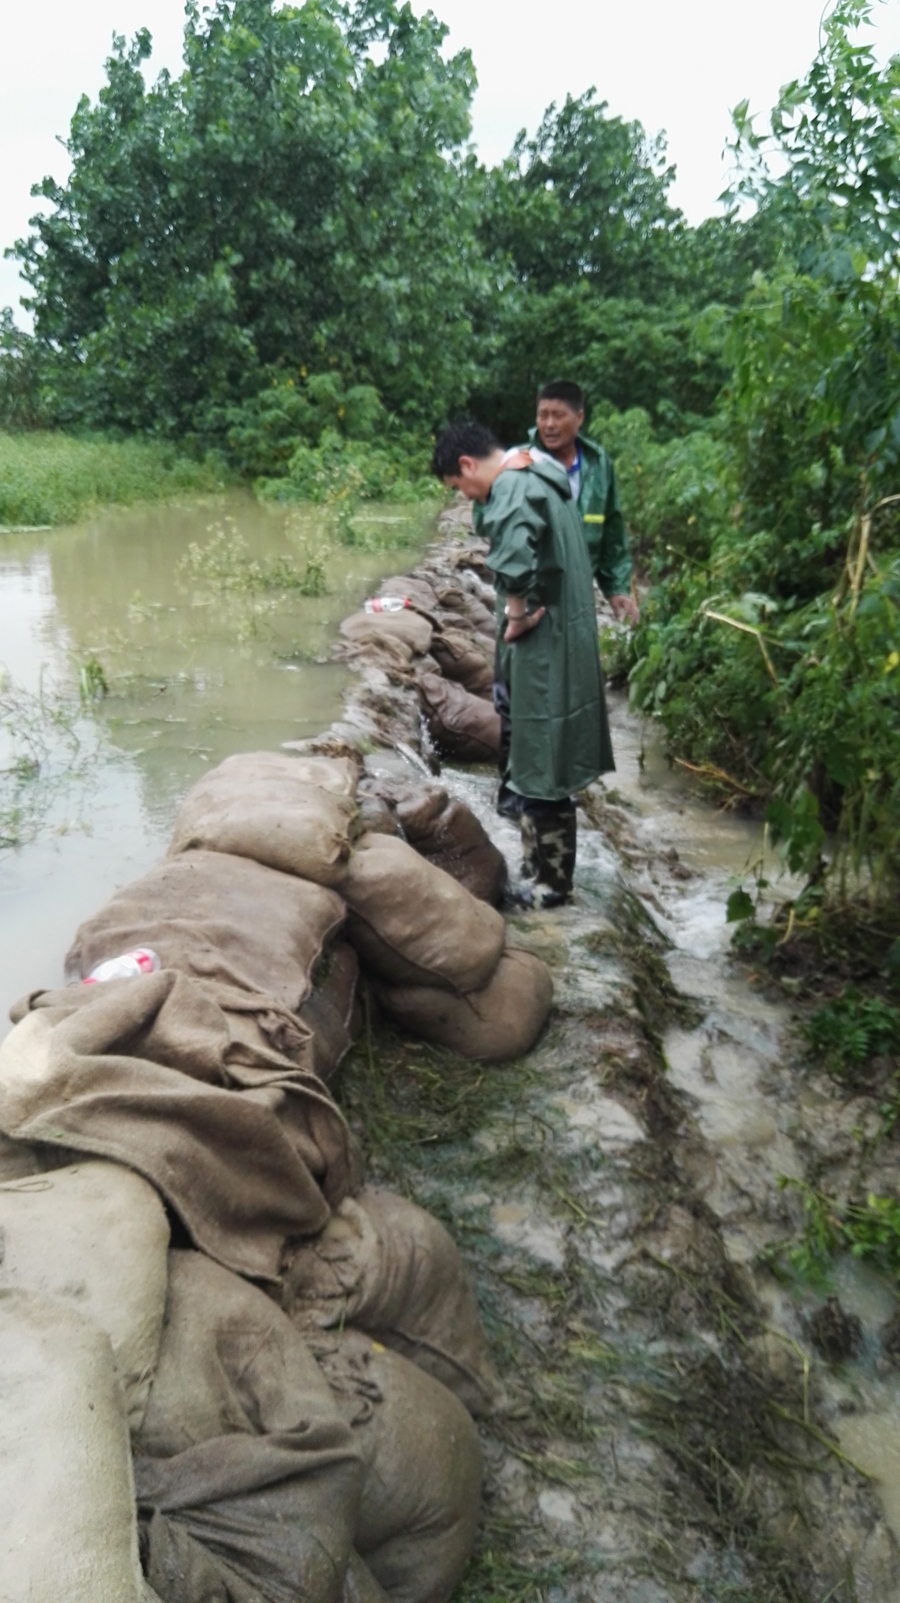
[[49, 478]]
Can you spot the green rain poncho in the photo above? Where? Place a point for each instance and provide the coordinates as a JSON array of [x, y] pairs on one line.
[[560, 734]]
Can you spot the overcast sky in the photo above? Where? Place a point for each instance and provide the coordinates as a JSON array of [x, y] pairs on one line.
[[678, 67]]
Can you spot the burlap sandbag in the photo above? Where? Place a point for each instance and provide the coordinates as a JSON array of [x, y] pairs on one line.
[[247, 1147], [445, 831], [501, 1021], [391, 1269], [461, 725], [291, 813], [248, 1478], [408, 626], [418, 590], [94, 1235], [212, 915], [461, 659], [415, 925], [330, 1011], [68, 1531], [420, 1495], [18, 1159]]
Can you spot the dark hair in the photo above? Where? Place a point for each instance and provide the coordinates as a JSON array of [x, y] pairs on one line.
[[461, 439], [562, 389]]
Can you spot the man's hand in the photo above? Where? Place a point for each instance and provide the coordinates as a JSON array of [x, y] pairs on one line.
[[519, 459], [625, 610], [521, 624]]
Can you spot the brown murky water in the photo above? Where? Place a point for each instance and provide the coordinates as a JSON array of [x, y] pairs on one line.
[[197, 667]]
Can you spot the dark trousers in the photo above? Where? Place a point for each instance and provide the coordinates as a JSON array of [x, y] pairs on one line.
[[549, 830]]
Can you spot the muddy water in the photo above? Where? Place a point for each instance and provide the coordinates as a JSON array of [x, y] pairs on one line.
[[195, 670]]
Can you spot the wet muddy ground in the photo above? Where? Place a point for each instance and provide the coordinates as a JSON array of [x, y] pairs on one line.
[[671, 1432]]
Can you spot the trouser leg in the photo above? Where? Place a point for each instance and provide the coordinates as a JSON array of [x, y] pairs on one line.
[[509, 802], [549, 835]]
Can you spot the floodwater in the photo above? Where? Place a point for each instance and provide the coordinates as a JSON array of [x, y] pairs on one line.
[[198, 664]]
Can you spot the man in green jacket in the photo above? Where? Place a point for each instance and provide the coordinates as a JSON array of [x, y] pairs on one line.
[[560, 417], [548, 660]]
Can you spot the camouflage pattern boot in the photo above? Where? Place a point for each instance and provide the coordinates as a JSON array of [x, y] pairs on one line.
[[548, 846]]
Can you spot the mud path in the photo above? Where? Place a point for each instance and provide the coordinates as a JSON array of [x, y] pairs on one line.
[[670, 1433]]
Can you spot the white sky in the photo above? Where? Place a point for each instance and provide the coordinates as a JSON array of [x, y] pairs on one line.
[[678, 67]]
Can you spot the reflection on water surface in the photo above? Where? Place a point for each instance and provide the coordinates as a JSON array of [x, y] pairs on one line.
[[198, 665]]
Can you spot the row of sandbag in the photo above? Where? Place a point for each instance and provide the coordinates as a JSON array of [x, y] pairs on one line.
[[270, 1456], [436, 954], [446, 638]]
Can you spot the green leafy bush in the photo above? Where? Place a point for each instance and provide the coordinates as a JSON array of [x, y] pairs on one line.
[[852, 1029], [339, 469], [868, 1230], [771, 659]]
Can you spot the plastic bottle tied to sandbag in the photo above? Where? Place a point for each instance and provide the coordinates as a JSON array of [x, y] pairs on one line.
[[412, 924], [211, 914], [408, 626], [296, 814]]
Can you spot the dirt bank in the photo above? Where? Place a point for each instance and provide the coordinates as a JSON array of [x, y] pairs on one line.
[[670, 1432]]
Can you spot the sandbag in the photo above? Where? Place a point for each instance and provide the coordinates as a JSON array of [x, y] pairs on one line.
[[446, 832], [213, 915], [247, 1476], [408, 626], [390, 1268], [18, 1159], [461, 725], [413, 924], [421, 1485], [330, 1010], [503, 1020], [68, 1531], [419, 591], [461, 659], [295, 814], [247, 1147], [95, 1236]]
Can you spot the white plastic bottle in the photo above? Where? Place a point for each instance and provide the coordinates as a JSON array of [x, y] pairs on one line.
[[386, 604], [140, 960]]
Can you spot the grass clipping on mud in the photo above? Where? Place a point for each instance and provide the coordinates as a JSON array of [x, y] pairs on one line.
[[684, 1370]]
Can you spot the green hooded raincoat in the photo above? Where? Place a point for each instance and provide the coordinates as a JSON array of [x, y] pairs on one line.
[[560, 733], [601, 516]]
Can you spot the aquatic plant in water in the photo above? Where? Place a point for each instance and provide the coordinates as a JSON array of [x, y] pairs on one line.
[[48, 745]]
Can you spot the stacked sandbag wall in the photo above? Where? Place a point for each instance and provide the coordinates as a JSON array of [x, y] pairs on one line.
[[298, 1366]]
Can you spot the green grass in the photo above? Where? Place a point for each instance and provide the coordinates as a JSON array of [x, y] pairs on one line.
[[48, 478]]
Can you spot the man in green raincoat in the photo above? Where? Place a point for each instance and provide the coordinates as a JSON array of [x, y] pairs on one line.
[[548, 660], [560, 418]]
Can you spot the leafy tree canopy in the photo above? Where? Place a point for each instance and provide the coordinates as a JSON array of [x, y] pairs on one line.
[[295, 198]]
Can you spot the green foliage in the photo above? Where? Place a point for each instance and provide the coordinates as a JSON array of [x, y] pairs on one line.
[[852, 1029], [340, 469], [677, 493], [51, 478], [771, 657], [295, 198], [868, 1230], [224, 566]]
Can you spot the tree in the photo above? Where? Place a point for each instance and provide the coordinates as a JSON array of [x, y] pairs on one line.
[[293, 200]]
